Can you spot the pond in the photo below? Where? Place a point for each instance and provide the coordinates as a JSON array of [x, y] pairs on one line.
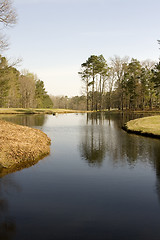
[[98, 183]]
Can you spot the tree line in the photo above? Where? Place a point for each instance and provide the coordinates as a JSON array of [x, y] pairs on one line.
[[17, 89], [121, 83], [23, 90], [65, 102]]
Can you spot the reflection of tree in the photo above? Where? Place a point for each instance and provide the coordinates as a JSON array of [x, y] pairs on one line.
[[7, 224], [26, 120], [123, 147], [155, 156], [93, 142], [103, 135], [7, 230]]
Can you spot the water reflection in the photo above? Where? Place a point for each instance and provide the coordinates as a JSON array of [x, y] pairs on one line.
[[26, 119], [7, 222], [103, 138], [155, 156], [114, 198], [93, 144]]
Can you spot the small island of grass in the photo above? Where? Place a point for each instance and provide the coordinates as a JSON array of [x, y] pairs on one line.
[[147, 126], [21, 146]]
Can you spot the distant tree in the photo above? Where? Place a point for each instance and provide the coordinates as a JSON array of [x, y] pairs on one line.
[[118, 73], [156, 82], [13, 97], [77, 103], [146, 85], [133, 82], [27, 89], [4, 79], [42, 98]]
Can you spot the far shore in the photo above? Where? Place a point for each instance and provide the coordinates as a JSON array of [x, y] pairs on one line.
[[37, 111], [146, 126], [63, 111], [21, 147]]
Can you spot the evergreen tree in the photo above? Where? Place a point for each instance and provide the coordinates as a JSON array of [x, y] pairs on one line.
[[4, 80], [42, 98]]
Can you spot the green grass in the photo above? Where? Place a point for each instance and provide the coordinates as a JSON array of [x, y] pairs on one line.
[[59, 111], [36, 111], [146, 125]]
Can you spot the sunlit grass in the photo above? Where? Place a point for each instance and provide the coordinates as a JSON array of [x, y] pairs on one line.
[[36, 111], [149, 125]]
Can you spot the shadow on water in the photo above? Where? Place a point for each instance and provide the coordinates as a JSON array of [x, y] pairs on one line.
[[7, 222]]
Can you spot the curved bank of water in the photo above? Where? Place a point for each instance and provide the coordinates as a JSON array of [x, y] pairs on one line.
[[21, 146], [147, 126]]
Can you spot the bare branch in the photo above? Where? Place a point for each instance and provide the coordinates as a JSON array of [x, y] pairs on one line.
[[8, 14], [3, 42]]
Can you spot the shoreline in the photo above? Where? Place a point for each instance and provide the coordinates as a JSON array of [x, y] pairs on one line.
[[63, 111], [21, 147], [146, 126], [38, 111]]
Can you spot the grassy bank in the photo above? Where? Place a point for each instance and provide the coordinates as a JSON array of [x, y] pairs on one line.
[[59, 111], [21, 146], [147, 126], [36, 111]]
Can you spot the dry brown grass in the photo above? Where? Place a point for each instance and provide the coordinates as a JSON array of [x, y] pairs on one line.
[[20, 145]]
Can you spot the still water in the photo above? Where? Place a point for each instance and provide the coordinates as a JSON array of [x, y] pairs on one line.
[[98, 183]]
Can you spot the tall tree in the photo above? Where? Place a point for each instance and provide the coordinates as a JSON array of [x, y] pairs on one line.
[[27, 89], [13, 97], [119, 69], [4, 79], [85, 76], [156, 82], [133, 80], [93, 73], [42, 98], [103, 72]]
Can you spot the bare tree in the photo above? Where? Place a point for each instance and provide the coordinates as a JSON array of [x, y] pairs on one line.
[[8, 18], [118, 66], [8, 14], [27, 89]]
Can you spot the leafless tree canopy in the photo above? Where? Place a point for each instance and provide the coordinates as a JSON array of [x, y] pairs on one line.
[[3, 42], [8, 17], [8, 14]]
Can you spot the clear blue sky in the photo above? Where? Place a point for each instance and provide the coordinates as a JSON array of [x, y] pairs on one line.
[[53, 37]]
